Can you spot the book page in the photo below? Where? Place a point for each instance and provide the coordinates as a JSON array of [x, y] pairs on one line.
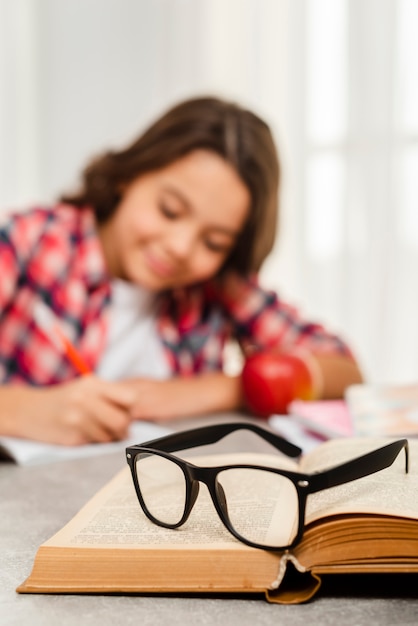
[[388, 492], [114, 517], [120, 521]]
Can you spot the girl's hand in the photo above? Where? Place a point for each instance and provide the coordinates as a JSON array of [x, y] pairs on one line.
[[85, 410]]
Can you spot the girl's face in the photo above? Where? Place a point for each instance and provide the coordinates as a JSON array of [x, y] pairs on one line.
[[177, 225]]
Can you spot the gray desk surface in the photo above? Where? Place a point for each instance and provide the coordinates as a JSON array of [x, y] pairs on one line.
[[36, 501]]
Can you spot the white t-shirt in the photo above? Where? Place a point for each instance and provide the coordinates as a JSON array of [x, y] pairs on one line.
[[133, 347]]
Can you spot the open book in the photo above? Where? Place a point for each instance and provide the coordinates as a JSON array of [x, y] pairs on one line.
[[368, 525]]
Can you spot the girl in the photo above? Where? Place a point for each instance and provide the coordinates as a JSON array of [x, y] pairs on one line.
[[150, 267]]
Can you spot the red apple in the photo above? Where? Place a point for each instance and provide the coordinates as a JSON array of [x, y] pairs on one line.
[[271, 380]]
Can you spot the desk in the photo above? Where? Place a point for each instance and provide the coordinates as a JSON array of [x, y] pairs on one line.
[[37, 501]]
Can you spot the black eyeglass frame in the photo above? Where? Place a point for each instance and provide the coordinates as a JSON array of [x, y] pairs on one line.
[[305, 484]]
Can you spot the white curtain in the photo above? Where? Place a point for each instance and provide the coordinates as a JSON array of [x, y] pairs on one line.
[[336, 79]]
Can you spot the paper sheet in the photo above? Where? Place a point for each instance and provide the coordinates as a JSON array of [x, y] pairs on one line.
[[27, 452]]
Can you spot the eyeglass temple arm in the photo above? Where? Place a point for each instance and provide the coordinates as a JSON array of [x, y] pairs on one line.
[[212, 434], [358, 468]]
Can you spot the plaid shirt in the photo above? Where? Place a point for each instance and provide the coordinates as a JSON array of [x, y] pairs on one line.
[[55, 255]]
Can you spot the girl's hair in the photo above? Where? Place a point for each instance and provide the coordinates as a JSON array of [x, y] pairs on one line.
[[234, 133]]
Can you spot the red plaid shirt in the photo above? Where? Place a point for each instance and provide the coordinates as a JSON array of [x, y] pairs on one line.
[[55, 255]]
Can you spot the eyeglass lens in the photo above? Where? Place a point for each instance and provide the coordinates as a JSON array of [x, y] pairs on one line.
[[163, 487], [260, 505]]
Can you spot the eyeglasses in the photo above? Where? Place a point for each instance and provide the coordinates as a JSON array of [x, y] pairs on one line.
[[246, 497]]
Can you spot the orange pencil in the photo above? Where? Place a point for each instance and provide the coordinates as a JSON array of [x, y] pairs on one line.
[[71, 353], [47, 321]]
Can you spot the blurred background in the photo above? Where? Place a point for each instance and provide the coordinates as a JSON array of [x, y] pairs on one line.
[[337, 80]]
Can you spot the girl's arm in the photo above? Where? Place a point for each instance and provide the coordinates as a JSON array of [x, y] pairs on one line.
[[185, 396], [337, 372], [216, 392]]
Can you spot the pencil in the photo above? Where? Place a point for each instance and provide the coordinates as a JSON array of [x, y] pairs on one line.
[[48, 323], [72, 354]]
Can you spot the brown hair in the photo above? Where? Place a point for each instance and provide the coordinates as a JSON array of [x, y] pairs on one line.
[[236, 134]]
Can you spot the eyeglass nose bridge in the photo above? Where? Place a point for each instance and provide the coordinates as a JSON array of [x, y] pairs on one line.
[[208, 476], [198, 475]]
